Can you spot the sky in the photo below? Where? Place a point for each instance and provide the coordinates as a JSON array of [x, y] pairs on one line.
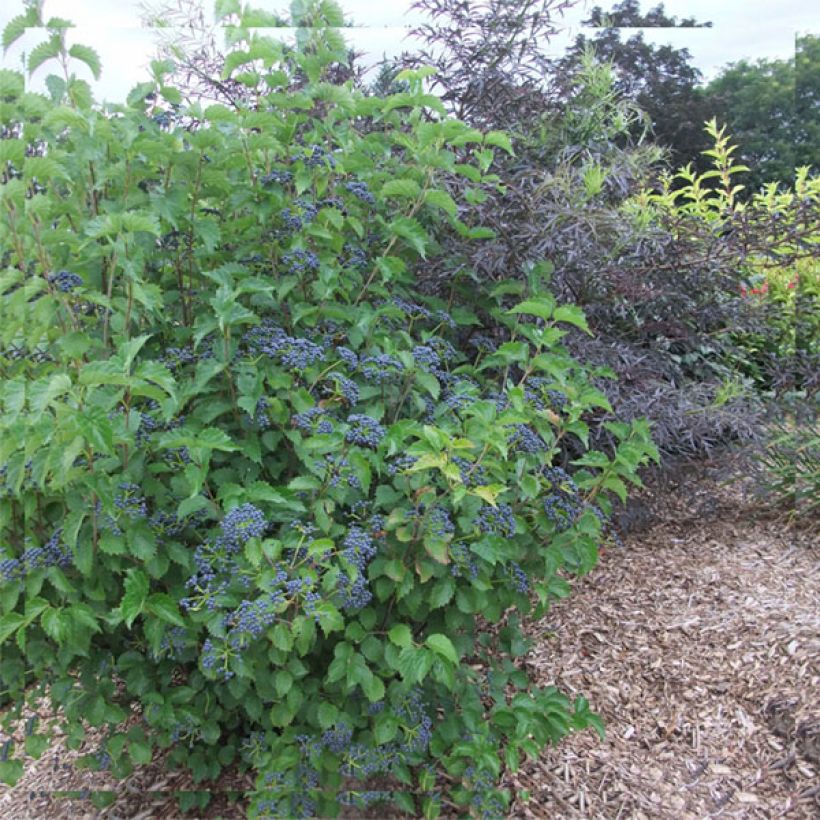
[[742, 29]]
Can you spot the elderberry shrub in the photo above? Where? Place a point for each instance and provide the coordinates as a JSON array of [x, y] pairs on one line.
[[273, 494]]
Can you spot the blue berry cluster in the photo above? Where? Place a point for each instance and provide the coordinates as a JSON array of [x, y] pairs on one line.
[[300, 261], [485, 801], [519, 577], [398, 464], [52, 554], [350, 359], [313, 420], [524, 439], [345, 389], [251, 619], [361, 191], [174, 642], [482, 343], [411, 309], [358, 551], [462, 561], [361, 760], [354, 257], [426, 358], [131, 501], [318, 157], [445, 350], [243, 523], [563, 504], [337, 467], [261, 417], [437, 521], [215, 658], [292, 352], [277, 175], [175, 357], [301, 214], [65, 281], [497, 520], [380, 368], [364, 431], [472, 474], [289, 794], [166, 524]]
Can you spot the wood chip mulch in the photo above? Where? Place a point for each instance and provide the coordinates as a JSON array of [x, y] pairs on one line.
[[698, 642]]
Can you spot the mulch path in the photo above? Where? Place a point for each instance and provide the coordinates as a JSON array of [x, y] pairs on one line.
[[698, 642]]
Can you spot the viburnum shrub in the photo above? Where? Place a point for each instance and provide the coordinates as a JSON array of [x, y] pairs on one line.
[[252, 484]]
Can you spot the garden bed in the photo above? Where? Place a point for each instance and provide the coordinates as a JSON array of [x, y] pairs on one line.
[[698, 645]]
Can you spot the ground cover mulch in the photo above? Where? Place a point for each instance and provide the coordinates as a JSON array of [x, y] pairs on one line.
[[697, 641]]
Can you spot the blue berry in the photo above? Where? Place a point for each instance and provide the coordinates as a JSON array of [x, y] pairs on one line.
[[361, 191], [380, 368], [497, 520], [244, 522], [364, 431], [313, 420], [65, 281], [525, 440]]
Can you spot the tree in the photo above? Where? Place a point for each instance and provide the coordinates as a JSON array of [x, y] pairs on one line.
[[660, 79], [770, 108]]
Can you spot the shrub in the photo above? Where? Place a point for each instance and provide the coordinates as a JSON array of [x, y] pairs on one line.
[[254, 484], [788, 464]]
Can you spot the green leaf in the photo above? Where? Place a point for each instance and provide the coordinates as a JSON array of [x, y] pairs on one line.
[[411, 231], [9, 624], [401, 187], [15, 29], [385, 729], [10, 771], [442, 593], [140, 752], [88, 56], [573, 315], [136, 594], [500, 140], [36, 745], [543, 307], [165, 607], [401, 635], [48, 50], [373, 689], [138, 94], [328, 715], [442, 645], [441, 199], [414, 664]]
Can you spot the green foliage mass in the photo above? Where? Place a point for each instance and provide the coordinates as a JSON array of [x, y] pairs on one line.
[[252, 482], [771, 109]]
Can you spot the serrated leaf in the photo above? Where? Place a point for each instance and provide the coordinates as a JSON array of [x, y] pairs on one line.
[[401, 635], [9, 624], [15, 29], [401, 187], [328, 715], [443, 646], [441, 199], [47, 50], [165, 607], [573, 315], [136, 594], [500, 140], [543, 307], [87, 55]]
